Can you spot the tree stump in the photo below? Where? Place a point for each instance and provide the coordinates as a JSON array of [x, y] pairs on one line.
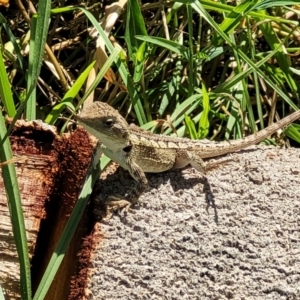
[[51, 172]]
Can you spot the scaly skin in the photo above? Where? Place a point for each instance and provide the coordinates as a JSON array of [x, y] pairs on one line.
[[139, 151]]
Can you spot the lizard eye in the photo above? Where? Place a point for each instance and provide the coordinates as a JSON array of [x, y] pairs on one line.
[[109, 122]]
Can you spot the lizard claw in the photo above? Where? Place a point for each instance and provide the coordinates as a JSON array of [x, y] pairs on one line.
[[115, 203]]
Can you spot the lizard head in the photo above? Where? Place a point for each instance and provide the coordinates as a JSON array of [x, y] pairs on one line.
[[106, 124]]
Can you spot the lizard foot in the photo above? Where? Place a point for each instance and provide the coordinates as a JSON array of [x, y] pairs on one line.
[[115, 203], [216, 164]]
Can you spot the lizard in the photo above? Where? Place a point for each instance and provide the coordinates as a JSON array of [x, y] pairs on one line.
[[140, 151]]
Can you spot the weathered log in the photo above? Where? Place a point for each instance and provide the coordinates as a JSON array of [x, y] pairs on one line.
[[51, 171]]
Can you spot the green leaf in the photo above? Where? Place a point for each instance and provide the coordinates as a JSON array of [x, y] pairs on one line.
[[271, 3], [5, 90], [201, 55], [190, 127], [185, 108], [140, 57], [204, 121], [135, 24], [67, 235], [13, 40], [104, 161], [110, 60], [197, 6], [15, 209], [123, 70], [233, 19], [39, 32], [295, 71], [282, 59], [167, 97], [293, 132], [170, 45], [69, 96], [1, 294], [224, 8]]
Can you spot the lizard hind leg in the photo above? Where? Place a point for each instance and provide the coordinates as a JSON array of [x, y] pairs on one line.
[[197, 163], [189, 157], [193, 158]]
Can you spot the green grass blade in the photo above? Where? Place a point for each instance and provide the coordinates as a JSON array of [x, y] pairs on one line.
[[293, 132], [140, 57], [13, 41], [170, 45], [39, 32], [199, 8], [5, 90], [272, 3], [295, 71], [69, 96], [185, 108], [135, 25], [110, 60], [66, 236], [192, 69], [224, 8], [1, 294], [126, 77], [166, 99], [16, 213], [233, 19], [282, 59], [225, 86], [191, 127], [204, 121], [104, 161]]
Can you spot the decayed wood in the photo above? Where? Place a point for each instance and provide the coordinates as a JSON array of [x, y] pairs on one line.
[[50, 170], [34, 182]]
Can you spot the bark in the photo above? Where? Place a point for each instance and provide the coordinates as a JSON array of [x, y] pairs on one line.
[[51, 171]]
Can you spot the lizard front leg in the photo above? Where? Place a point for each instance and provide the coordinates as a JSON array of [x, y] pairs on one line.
[[96, 155], [125, 160]]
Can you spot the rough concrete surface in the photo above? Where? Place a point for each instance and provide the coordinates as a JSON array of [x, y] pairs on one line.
[[233, 234]]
